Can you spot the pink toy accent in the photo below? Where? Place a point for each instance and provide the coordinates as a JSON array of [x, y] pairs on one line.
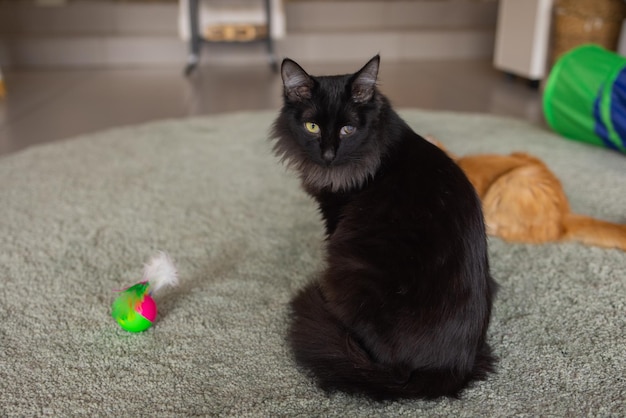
[[147, 308]]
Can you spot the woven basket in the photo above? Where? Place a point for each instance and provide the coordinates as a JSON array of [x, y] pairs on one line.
[[613, 10], [235, 32], [578, 22]]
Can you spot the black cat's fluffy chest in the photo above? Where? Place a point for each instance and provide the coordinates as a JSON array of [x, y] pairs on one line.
[[402, 306], [398, 251]]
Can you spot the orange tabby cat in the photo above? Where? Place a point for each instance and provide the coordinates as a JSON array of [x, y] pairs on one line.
[[523, 201]]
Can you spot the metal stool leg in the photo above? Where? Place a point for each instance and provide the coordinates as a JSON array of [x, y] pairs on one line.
[[270, 40], [194, 36]]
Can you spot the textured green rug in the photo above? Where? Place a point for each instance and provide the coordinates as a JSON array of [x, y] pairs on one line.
[[79, 219]]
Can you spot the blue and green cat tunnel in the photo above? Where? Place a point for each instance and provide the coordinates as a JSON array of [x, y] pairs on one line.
[[585, 97]]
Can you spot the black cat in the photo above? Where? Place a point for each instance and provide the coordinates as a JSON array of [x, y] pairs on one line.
[[403, 305]]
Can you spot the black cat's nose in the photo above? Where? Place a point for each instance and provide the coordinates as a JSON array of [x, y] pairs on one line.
[[328, 156]]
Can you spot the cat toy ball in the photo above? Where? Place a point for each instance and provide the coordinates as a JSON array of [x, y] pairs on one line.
[[134, 309]]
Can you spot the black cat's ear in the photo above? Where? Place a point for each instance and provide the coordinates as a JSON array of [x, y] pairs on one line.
[[364, 82], [298, 84]]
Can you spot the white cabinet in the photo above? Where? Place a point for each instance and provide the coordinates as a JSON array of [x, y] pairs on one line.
[[522, 37]]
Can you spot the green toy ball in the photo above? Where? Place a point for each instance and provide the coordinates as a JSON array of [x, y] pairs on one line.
[[134, 309]]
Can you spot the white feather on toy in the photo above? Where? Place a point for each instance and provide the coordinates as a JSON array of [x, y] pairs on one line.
[[160, 272]]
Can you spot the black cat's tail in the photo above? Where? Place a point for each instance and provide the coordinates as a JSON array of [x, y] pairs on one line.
[[338, 362]]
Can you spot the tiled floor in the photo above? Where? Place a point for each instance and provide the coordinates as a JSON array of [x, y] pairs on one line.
[[49, 105]]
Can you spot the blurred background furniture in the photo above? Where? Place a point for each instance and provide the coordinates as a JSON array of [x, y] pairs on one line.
[[578, 22], [522, 38], [532, 34], [226, 25]]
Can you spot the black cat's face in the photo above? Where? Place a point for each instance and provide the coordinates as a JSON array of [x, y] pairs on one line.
[[325, 126]]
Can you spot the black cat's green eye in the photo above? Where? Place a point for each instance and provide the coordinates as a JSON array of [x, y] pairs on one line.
[[313, 128], [347, 130]]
